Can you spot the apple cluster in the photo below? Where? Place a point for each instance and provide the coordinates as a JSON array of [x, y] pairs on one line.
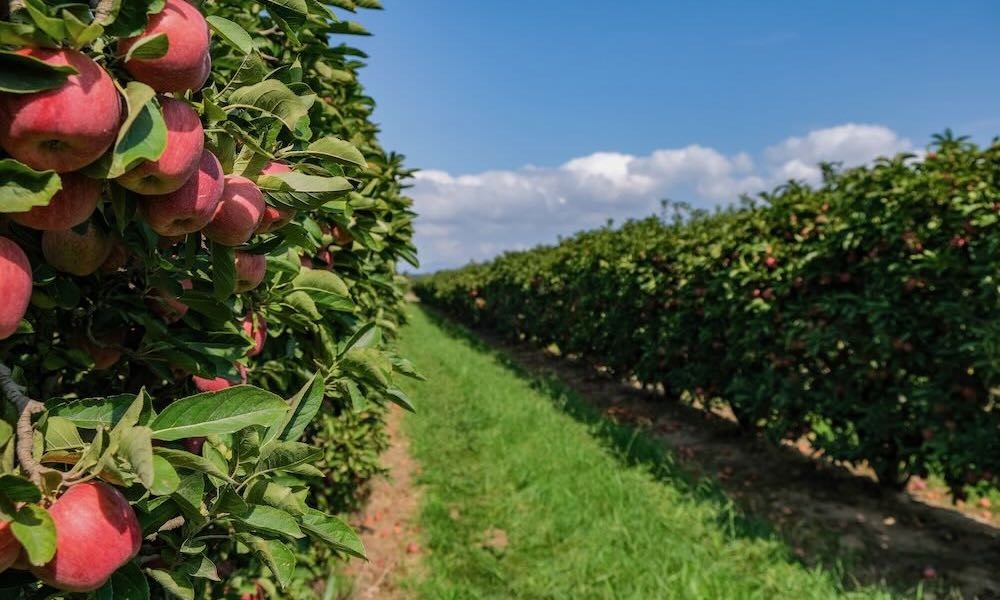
[[183, 192]]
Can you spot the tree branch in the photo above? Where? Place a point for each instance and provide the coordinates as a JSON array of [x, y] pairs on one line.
[[27, 408]]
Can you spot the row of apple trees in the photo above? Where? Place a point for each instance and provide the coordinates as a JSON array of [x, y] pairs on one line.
[[199, 235], [861, 314]]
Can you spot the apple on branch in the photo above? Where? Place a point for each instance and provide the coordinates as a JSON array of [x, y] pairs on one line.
[[180, 159], [15, 286], [239, 213], [67, 128], [79, 254], [187, 63], [250, 270], [96, 533], [190, 208], [71, 206]]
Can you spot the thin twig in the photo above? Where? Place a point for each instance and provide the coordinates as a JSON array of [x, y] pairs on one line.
[[26, 408]]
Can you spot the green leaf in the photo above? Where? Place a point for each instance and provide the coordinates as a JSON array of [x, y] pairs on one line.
[[324, 281], [272, 98], [149, 47], [335, 149], [262, 518], [276, 495], [307, 184], [223, 271], [201, 568], [302, 303], [92, 413], [175, 583], [222, 412], [80, 33], [332, 531], [61, 434], [286, 455], [18, 489], [21, 74], [136, 446], [33, 527], [276, 555], [165, 478], [305, 405], [369, 362], [39, 14], [128, 583], [231, 33], [142, 137], [399, 397], [23, 188], [185, 460]]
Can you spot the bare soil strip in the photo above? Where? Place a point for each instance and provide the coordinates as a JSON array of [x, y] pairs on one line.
[[821, 509], [387, 524]]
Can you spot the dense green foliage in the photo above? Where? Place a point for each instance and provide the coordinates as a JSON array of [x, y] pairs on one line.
[[258, 499], [862, 314], [523, 500]]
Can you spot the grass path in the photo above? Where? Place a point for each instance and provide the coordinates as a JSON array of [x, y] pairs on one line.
[[522, 499]]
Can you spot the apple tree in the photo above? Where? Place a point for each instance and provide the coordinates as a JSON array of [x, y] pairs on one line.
[[199, 235]]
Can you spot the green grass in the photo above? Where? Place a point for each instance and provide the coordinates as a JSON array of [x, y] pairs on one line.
[[590, 509]]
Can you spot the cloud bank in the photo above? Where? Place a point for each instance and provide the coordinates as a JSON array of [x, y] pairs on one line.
[[477, 216]]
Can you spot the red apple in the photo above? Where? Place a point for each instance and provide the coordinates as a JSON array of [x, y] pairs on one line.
[[105, 349], [166, 305], [10, 548], [218, 384], [274, 217], [67, 128], [191, 207], [75, 253], [193, 445], [96, 533], [179, 161], [341, 236], [118, 259], [255, 328], [250, 270], [71, 205], [187, 64], [15, 286], [239, 213]]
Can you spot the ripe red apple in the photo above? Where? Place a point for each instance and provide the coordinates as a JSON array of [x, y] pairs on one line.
[[341, 236], [218, 384], [105, 350], [74, 253], [187, 64], [255, 328], [239, 213], [71, 205], [185, 143], [96, 533], [10, 548], [15, 286], [193, 444], [191, 207], [67, 128], [167, 306], [274, 217], [250, 270]]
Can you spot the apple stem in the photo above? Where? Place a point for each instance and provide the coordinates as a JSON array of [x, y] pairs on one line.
[[25, 432]]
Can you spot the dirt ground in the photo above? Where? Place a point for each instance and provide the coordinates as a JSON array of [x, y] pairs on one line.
[[822, 510], [387, 524]]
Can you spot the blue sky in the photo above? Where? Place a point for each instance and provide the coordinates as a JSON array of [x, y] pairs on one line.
[[543, 118]]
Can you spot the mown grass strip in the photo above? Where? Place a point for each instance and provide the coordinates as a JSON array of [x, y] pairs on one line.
[[501, 453]]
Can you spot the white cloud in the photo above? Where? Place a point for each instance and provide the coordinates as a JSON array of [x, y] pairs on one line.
[[477, 216]]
